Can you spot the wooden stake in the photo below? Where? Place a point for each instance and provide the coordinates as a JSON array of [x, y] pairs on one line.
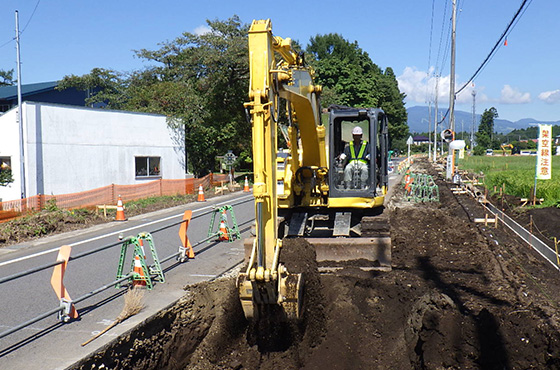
[[556, 247]]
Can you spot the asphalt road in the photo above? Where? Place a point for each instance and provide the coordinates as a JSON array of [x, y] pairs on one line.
[[50, 344]]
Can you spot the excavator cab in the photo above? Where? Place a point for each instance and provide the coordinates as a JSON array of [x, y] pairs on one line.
[[357, 149]]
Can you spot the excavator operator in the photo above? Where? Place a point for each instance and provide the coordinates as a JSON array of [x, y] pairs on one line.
[[356, 158]]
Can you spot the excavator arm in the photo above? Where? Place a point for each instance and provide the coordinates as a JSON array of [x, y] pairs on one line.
[[265, 280]]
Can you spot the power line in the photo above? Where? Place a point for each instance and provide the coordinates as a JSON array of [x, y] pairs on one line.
[[446, 50], [30, 18], [441, 38], [431, 35], [7, 42], [430, 51], [509, 27], [27, 24]]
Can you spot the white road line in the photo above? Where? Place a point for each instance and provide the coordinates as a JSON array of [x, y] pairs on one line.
[[103, 236]]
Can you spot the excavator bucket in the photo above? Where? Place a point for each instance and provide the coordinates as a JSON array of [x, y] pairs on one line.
[[372, 253], [368, 253], [370, 250], [256, 297]]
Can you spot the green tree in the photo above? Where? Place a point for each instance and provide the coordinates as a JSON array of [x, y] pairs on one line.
[[392, 103], [346, 69], [6, 178], [6, 77], [349, 77], [104, 86], [484, 136]]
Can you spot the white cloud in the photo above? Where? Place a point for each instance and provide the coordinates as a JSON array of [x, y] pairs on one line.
[[201, 30], [512, 95], [420, 87], [416, 85], [550, 97]]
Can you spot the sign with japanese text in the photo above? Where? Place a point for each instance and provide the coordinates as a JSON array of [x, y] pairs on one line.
[[544, 153]]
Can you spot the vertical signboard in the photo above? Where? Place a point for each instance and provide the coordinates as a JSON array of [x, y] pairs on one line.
[[544, 153]]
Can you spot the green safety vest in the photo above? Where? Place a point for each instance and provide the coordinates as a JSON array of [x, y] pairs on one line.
[[360, 153]]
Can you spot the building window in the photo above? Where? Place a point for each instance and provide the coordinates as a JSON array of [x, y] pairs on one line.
[[148, 166], [5, 171]]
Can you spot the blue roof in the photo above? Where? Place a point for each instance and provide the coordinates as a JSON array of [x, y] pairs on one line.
[[10, 92]]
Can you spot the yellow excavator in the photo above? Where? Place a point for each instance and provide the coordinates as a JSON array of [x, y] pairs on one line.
[[320, 189], [506, 146]]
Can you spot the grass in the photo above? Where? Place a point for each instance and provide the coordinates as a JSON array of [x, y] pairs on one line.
[[517, 175], [135, 207]]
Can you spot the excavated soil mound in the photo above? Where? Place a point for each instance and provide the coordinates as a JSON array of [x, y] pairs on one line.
[[459, 296]]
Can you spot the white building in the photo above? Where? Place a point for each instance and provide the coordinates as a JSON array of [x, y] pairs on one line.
[[70, 149]]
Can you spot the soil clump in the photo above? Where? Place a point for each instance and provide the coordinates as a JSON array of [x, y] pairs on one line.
[[459, 296]]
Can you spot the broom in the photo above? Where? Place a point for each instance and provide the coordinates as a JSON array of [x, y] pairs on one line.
[[132, 305]]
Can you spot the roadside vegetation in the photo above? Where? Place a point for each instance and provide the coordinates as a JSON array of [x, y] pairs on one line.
[[516, 174], [53, 220]]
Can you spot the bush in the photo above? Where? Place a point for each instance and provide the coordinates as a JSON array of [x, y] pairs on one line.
[[479, 150]]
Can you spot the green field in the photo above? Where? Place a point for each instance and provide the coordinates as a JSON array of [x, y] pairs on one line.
[[516, 174]]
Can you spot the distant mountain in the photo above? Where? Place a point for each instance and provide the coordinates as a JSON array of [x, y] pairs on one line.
[[418, 117]]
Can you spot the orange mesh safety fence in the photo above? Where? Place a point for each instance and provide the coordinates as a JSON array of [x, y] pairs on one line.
[[132, 192], [21, 205], [177, 187], [87, 198], [108, 195]]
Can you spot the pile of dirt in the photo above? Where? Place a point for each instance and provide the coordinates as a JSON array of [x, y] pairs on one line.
[[459, 296], [45, 223]]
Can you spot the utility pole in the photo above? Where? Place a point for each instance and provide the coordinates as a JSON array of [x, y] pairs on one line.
[[473, 117], [441, 138], [429, 130], [436, 120], [20, 115], [452, 76], [452, 147]]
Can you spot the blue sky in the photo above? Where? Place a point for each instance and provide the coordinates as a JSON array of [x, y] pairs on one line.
[[521, 81]]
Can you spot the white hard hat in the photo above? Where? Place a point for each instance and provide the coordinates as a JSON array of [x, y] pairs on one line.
[[357, 131]]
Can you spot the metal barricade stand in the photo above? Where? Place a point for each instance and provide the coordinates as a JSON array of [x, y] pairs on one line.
[[156, 268], [140, 275], [421, 188], [230, 233]]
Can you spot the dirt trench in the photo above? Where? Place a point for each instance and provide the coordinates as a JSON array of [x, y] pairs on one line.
[[459, 296]]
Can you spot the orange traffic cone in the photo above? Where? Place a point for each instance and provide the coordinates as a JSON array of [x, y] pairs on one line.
[[409, 182], [200, 194], [120, 210], [141, 279], [246, 186], [223, 230]]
